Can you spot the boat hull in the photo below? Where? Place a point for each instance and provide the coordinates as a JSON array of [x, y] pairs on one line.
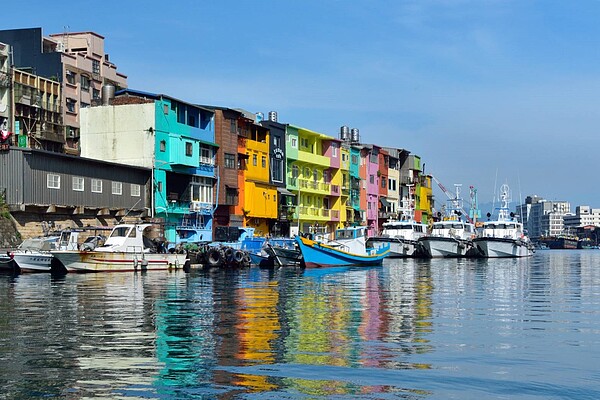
[[500, 247], [399, 248], [33, 261], [97, 261], [445, 247], [317, 255]]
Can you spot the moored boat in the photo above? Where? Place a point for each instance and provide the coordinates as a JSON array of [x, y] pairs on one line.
[[451, 237], [128, 248], [348, 248], [504, 237]]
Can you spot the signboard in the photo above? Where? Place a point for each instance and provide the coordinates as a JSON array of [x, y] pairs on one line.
[[17, 128], [22, 139]]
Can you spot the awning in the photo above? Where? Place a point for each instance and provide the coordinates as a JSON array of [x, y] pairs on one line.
[[384, 202], [285, 192], [242, 155]]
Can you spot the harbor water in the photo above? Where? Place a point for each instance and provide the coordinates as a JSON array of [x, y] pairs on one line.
[[410, 329]]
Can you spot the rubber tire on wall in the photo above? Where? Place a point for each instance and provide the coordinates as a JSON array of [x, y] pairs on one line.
[[214, 258]]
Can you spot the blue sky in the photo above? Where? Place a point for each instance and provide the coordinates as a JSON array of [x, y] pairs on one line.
[[486, 92]]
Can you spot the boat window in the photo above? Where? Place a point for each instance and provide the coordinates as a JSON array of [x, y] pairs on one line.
[[511, 226], [344, 234], [120, 231], [457, 226], [501, 226]]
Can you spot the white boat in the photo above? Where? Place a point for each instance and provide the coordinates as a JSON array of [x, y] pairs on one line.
[[128, 248], [451, 237], [402, 234], [504, 237], [33, 255]]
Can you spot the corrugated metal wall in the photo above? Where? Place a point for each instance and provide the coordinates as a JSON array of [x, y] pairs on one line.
[[27, 181], [11, 176]]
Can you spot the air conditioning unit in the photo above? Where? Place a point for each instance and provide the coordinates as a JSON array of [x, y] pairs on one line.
[[71, 133], [195, 206]]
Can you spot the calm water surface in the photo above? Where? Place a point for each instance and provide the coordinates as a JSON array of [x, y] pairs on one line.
[[441, 329]]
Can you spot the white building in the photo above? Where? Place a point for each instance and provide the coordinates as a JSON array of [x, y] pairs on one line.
[[543, 217], [584, 216]]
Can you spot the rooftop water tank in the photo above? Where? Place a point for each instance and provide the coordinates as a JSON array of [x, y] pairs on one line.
[[259, 117], [344, 133], [108, 93], [354, 135]]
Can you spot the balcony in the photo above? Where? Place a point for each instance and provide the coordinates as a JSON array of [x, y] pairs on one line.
[[306, 157], [314, 186]]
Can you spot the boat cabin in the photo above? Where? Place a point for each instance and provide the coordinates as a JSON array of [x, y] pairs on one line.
[[511, 230], [131, 238]]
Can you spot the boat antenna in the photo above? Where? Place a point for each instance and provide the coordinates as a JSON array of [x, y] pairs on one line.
[[494, 196], [130, 208], [520, 196]]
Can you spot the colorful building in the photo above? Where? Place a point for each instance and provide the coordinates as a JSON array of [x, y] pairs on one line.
[[176, 140], [260, 196], [309, 177]]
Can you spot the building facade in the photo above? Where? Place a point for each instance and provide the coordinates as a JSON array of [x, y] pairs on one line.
[[173, 138], [77, 61]]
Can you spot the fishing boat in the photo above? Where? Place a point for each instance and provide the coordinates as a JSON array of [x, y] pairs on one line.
[[450, 237], [128, 248], [504, 237], [401, 234], [348, 248]]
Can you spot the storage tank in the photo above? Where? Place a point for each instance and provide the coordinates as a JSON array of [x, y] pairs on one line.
[[108, 93], [259, 117], [344, 133], [354, 135]]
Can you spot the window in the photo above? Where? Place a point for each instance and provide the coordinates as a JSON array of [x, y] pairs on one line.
[[231, 196], [354, 159], [85, 83], [84, 105], [189, 149], [294, 142], [232, 126], [95, 94], [383, 182], [295, 171], [53, 181], [71, 104], [277, 170], [96, 186], [163, 146], [264, 162], [334, 149], [96, 67], [201, 189], [254, 160], [230, 161], [206, 155], [117, 188], [78, 184], [71, 76], [135, 190], [303, 142], [344, 157]]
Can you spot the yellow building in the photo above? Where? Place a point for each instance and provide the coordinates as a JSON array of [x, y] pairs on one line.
[[315, 179], [260, 198], [425, 198]]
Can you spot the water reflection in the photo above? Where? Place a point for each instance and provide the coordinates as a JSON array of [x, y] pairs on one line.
[[409, 329]]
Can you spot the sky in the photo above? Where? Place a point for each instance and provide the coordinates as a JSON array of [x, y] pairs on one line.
[[486, 92]]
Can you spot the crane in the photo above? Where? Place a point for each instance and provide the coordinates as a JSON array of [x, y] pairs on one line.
[[455, 199]]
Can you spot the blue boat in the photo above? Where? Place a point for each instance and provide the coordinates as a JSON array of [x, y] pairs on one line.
[[348, 248]]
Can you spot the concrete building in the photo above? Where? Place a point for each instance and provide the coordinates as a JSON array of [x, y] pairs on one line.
[[5, 95], [77, 61], [584, 216], [543, 217], [174, 139]]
